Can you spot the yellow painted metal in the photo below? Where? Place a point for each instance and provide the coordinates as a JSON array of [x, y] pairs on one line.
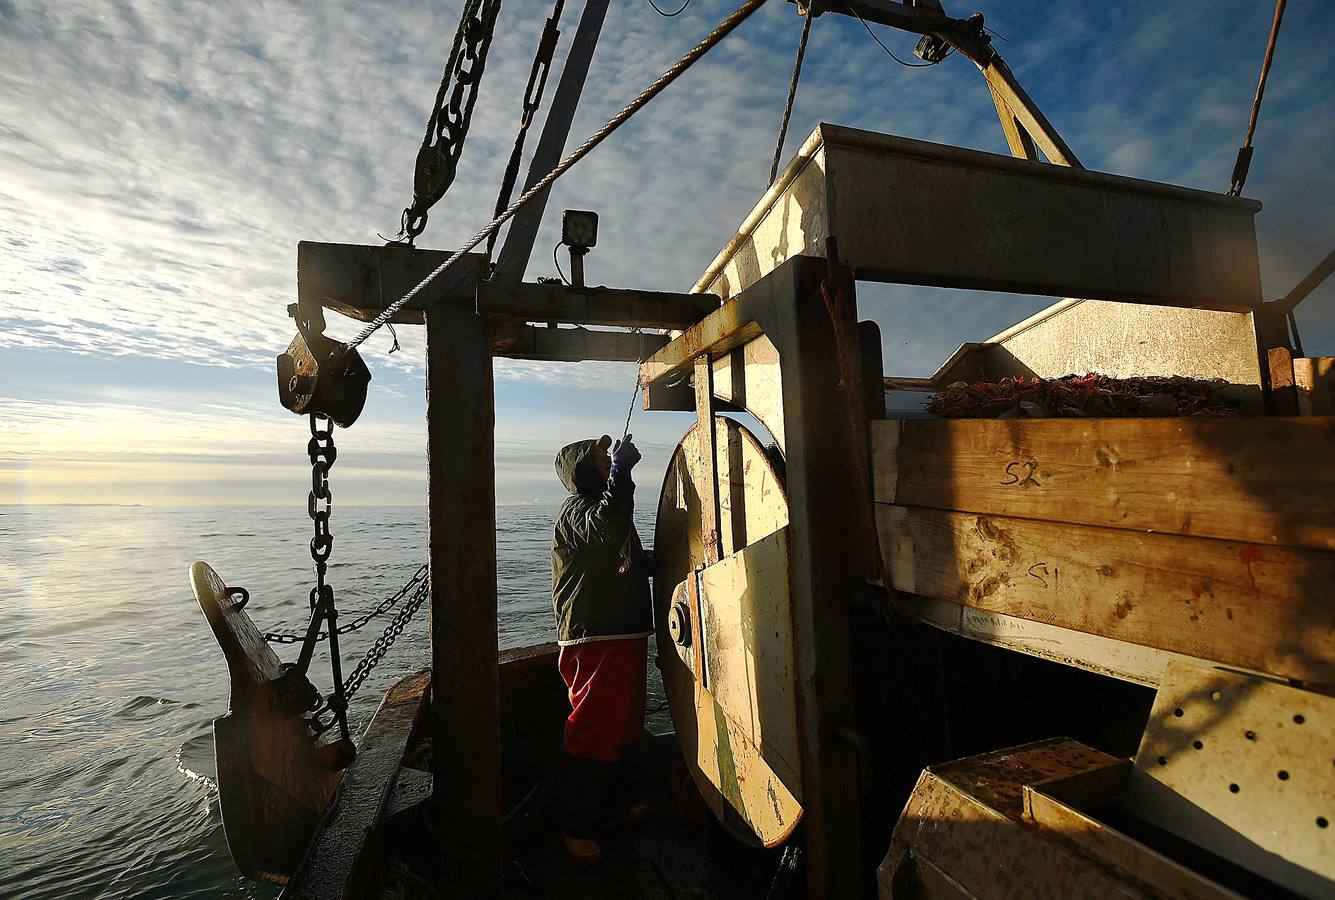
[[731, 689]]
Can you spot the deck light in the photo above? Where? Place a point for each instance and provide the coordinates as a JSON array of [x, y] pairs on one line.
[[579, 230]]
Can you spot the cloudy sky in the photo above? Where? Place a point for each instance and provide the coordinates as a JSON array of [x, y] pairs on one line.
[[159, 163]]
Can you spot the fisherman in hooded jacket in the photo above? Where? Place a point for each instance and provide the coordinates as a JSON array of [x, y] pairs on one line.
[[600, 594]]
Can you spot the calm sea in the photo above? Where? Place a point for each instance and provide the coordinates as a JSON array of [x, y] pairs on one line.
[[110, 677]]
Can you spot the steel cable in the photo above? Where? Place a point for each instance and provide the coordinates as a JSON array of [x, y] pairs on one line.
[[723, 29], [1244, 160], [792, 95]]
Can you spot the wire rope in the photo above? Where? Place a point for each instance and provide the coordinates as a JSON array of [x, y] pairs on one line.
[[792, 94], [1244, 161], [722, 30]]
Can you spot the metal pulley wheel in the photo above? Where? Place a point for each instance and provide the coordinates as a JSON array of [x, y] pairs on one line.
[[725, 633]]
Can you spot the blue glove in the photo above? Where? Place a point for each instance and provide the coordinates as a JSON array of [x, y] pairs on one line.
[[624, 456]]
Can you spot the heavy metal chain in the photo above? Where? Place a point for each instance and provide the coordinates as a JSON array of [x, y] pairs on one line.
[[438, 158], [537, 82], [319, 505], [388, 636], [412, 586], [711, 40]]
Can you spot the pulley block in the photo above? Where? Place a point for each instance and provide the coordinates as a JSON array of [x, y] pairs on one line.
[[318, 374]]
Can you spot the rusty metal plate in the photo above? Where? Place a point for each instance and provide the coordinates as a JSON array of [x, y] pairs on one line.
[[273, 784]]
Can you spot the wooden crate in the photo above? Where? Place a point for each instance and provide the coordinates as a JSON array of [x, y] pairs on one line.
[[1212, 539]]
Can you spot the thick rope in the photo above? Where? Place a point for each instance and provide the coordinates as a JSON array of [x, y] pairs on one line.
[[710, 40], [792, 94]]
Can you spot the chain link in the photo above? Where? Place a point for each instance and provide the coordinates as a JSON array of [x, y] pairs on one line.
[[320, 505], [387, 637], [412, 586], [438, 158]]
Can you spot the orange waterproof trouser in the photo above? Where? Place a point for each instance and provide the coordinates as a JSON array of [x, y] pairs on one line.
[[605, 683]]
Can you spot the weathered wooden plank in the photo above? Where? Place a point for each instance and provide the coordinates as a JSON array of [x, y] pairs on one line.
[[1314, 377], [1263, 608], [1006, 91], [1021, 144], [1283, 391], [704, 451], [343, 856], [360, 280], [720, 331], [1257, 480], [1091, 652], [461, 521], [573, 344], [593, 305]]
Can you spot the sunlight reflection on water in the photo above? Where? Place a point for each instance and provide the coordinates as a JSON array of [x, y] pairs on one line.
[[110, 678]]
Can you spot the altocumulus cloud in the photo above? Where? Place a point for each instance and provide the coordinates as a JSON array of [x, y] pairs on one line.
[[159, 162]]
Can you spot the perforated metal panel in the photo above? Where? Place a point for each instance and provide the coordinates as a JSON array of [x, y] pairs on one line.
[[1245, 768]]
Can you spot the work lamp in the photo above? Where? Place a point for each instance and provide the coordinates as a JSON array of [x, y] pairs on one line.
[[579, 230]]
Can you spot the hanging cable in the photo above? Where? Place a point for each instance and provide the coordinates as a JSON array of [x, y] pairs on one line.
[[537, 83], [792, 94], [710, 40], [1244, 160], [874, 37], [556, 262], [668, 15], [635, 391]]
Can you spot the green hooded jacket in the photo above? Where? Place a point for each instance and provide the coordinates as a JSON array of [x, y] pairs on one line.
[[594, 600]]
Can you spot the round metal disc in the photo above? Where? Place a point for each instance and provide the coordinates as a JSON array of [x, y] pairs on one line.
[[724, 634]]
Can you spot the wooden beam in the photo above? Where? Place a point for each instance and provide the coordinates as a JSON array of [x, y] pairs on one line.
[[359, 281], [716, 334], [1021, 144], [342, 860], [1314, 378], [1257, 480], [573, 344], [1283, 390], [461, 521], [592, 305], [1006, 87], [707, 459], [825, 451], [1257, 607], [920, 18]]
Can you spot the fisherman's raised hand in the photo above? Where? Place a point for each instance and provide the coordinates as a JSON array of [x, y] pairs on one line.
[[624, 456]]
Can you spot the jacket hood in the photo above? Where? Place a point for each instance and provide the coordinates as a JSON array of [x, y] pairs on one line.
[[576, 469]]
